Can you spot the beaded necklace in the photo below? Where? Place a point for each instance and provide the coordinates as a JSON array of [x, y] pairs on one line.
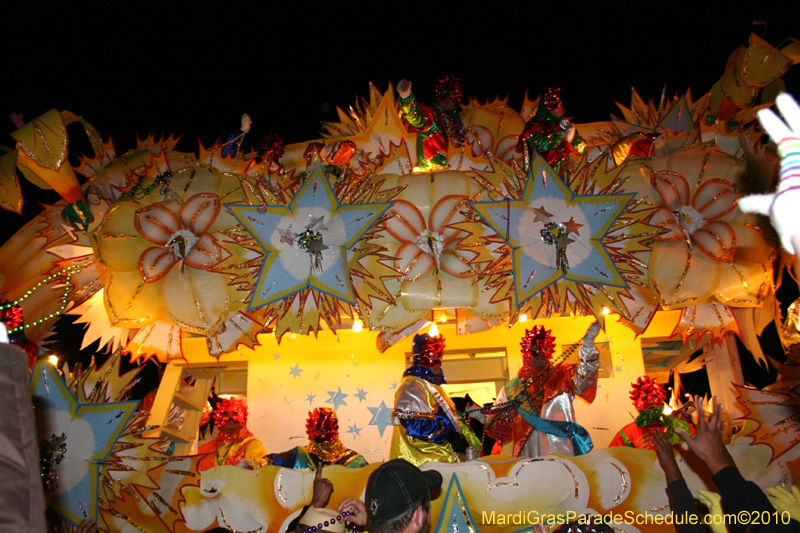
[[339, 518], [535, 387], [219, 459]]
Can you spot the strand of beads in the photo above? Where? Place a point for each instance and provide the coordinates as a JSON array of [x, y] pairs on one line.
[[68, 273], [326, 523]]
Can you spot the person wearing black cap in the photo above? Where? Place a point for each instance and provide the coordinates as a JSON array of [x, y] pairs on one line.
[[398, 499]]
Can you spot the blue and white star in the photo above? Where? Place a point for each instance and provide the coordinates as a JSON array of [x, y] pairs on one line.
[[537, 263], [337, 398], [90, 430], [393, 386], [354, 430], [295, 371], [292, 260], [276, 356], [381, 417], [310, 398], [361, 395]]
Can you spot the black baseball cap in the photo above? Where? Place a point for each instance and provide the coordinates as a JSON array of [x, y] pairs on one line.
[[396, 486]]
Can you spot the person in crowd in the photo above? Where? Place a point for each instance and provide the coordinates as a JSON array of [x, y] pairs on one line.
[[534, 410], [234, 444], [436, 126], [426, 425], [398, 499], [324, 446], [737, 494], [648, 397]]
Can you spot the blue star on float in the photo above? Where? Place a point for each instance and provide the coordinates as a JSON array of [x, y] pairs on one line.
[[90, 431], [361, 395], [295, 371], [381, 417], [455, 515], [393, 386], [305, 243], [310, 398], [354, 430], [337, 398], [276, 356], [540, 229]]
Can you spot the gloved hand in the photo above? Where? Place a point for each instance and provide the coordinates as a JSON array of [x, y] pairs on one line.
[[713, 501], [781, 206], [783, 500], [457, 441], [591, 334]]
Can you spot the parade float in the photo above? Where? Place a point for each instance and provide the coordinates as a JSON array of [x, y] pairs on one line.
[[294, 276]]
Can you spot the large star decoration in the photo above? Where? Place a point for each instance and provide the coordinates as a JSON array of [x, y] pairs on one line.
[[537, 263], [90, 431], [305, 243], [381, 417]]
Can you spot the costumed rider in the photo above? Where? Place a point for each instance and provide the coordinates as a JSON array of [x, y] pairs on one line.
[[437, 125], [534, 410], [234, 445], [648, 397], [324, 446], [551, 135], [426, 424]]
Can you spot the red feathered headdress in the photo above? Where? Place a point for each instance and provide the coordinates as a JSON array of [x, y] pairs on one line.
[[230, 408], [645, 391], [537, 341], [551, 98], [449, 86], [322, 425], [428, 350]]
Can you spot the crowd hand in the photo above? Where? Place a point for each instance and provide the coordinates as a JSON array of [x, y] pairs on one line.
[[707, 443], [404, 88], [87, 526], [713, 501], [666, 456], [784, 501], [246, 464], [358, 511], [322, 490]]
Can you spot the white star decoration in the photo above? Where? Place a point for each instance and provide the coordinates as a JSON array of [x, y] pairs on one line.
[[520, 222], [288, 267]]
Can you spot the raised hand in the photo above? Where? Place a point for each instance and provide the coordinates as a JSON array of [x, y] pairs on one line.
[[322, 490], [707, 443], [404, 88], [780, 206], [666, 456], [713, 501], [785, 501]]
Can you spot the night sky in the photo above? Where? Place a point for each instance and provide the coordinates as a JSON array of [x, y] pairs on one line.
[[193, 68]]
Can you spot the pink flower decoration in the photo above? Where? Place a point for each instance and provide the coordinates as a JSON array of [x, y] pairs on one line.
[[181, 238]]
